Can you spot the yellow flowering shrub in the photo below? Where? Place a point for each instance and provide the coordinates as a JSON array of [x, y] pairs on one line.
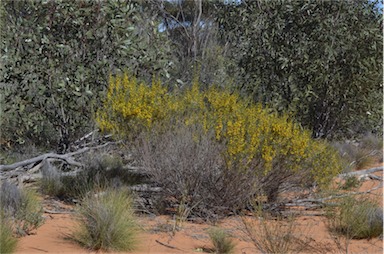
[[255, 138]]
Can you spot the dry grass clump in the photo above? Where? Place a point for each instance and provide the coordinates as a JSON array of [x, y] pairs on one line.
[[107, 222], [277, 234], [22, 207], [362, 153], [7, 241], [101, 170], [356, 219], [221, 241]]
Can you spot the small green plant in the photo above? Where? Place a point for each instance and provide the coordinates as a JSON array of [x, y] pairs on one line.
[[107, 222], [350, 182], [7, 241], [22, 207], [221, 241], [356, 219]]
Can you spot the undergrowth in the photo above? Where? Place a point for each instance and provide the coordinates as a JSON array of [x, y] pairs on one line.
[[7, 241], [356, 218], [22, 207], [221, 242], [107, 222]]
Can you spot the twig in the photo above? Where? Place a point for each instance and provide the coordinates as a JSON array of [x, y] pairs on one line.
[[56, 212], [168, 246]]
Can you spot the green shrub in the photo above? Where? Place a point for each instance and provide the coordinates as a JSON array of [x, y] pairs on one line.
[[7, 241], [270, 146], [221, 241], [356, 219], [22, 207], [106, 222], [350, 182]]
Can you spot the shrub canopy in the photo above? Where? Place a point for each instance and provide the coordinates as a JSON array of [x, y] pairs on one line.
[[255, 137]]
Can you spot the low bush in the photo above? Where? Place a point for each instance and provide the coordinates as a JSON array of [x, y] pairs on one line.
[[276, 234], [356, 219], [221, 242], [100, 171], [252, 140], [51, 183], [22, 207], [193, 173], [107, 222], [7, 241]]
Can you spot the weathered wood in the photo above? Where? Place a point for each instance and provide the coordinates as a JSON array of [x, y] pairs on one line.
[[65, 157], [312, 202], [361, 172]]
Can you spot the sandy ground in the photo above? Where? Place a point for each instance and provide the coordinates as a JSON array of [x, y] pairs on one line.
[[157, 237]]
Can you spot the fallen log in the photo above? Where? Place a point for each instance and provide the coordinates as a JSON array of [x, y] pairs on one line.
[[65, 157], [361, 172]]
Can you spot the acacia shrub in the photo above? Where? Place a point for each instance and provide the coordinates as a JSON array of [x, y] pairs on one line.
[[274, 148], [192, 172]]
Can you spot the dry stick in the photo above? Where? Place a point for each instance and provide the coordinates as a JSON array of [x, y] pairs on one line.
[[56, 212], [66, 157], [362, 172], [168, 246], [321, 200]]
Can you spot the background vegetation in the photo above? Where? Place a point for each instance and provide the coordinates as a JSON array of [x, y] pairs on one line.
[[319, 60]]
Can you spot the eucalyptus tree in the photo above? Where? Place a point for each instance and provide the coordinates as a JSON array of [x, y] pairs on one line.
[[56, 56], [320, 60]]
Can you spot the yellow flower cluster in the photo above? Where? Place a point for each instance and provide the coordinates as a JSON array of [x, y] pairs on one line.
[[249, 131]]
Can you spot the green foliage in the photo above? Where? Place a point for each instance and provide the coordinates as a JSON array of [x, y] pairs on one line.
[[256, 140], [194, 34], [106, 222], [7, 241], [356, 219], [350, 182], [221, 242], [22, 207], [320, 60], [56, 57]]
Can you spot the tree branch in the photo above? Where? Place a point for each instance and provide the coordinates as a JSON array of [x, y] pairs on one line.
[[65, 157]]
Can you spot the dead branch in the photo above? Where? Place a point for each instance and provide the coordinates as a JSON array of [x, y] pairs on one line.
[[65, 157], [57, 212], [167, 245], [322, 201], [361, 172]]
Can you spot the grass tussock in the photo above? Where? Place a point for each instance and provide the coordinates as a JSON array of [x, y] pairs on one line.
[[7, 241], [364, 152], [356, 219], [22, 207], [107, 222], [221, 242], [101, 170]]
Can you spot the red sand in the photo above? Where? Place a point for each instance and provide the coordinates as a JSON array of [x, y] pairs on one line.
[[157, 237]]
